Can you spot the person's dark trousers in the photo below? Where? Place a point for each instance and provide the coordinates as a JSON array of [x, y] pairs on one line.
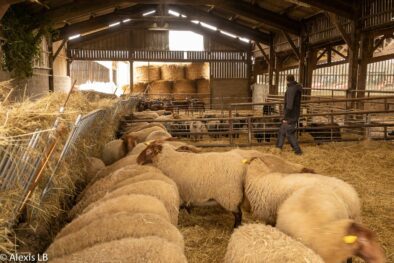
[[289, 130]]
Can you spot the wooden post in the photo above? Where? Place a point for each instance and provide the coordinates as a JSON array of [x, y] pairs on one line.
[[311, 62], [271, 66], [50, 62], [302, 64], [277, 69], [366, 52], [353, 54]]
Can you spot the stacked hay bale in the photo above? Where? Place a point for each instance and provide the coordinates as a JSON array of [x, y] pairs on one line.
[[146, 74], [184, 89], [204, 90], [160, 89], [172, 72], [139, 88], [133, 209], [195, 71]]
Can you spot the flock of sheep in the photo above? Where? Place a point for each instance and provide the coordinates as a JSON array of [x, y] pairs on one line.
[[129, 210]]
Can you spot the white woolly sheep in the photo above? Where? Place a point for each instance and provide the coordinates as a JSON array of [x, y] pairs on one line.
[[176, 144], [197, 127], [119, 179], [113, 178], [114, 151], [93, 166], [158, 135], [113, 227], [132, 138], [201, 177], [321, 218], [273, 163], [131, 203], [267, 191], [126, 250], [143, 125], [163, 191], [145, 115], [255, 243]]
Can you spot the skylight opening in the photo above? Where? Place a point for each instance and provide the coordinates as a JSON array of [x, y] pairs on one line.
[[74, 37], [149, 13], [173, 13], [114, 24], [228, 34], [244, 39], [185, 41], [214, 28]]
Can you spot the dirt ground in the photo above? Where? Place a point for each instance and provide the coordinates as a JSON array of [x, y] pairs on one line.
[[368, 166]]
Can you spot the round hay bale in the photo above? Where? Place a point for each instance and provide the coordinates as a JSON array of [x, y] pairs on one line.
[[184, 89], [172, 72], [147, 73], [197, 71], [139, 88], [160, 89], [204, 90]]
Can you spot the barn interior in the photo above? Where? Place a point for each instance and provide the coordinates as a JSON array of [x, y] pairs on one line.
[[77, 75]]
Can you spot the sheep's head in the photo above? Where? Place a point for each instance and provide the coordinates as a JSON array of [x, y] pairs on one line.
[[365, 243], [149, 153], [129, 141]]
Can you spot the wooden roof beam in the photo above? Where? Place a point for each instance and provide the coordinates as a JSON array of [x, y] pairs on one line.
[[263, 16], [266, 58], [101, 21], [340, 7], [223, 24], [335, 21], [293, 46]]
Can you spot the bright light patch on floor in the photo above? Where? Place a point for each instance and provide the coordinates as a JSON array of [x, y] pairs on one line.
[[186, 41], [195, 21], [126, 20]]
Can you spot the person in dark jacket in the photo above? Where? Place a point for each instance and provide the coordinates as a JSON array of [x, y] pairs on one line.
[[292, 105]]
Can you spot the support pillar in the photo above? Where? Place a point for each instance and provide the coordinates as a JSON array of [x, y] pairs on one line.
[[303, 39], [271, 66], [311, 62], [366, 52], [277, 70], [50, 62]]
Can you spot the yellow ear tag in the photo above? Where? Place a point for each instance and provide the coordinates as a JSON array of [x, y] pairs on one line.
[[349, 239], [245, 161], [148, 143]]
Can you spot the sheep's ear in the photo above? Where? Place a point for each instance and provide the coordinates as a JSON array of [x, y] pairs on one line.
[[367, 246], [150, 152]]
